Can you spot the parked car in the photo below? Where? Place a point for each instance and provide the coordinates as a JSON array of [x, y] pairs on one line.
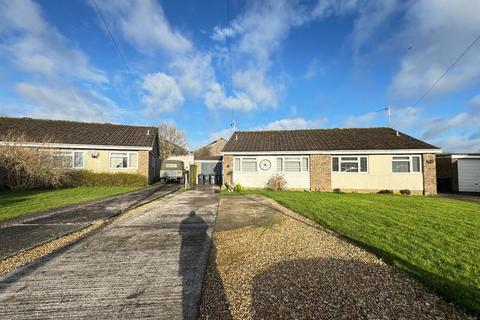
[[172, 170]]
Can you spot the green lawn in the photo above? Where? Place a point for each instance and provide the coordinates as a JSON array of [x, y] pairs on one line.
[[14, 204], [436, 240]]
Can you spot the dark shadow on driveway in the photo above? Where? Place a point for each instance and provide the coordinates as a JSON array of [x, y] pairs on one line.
[[193, 231]]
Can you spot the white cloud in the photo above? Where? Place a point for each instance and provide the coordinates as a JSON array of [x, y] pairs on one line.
[[144, 25], [457, 143], [257, 87], [294, 123], [162, 92], [438, 32], [359, 121], [37, 47], [67, 103], [216, 98], [193, 72]]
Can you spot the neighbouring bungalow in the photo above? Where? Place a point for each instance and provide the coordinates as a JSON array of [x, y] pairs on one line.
[[351, 160], [208, 160], [458, 172], [98, 147]]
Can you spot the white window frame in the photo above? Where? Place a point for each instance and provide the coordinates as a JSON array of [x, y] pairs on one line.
[[300, 158], [410, 159], [71, 153], [241, 165], [129, 167], [358, 161]]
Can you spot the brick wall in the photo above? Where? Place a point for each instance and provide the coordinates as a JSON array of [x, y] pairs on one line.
[[320, 172], [429, 174], [228, 169], [143, 164]]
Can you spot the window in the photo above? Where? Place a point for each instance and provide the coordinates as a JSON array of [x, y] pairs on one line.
[[350, 164], [406, 164], [70, 159], [249, 164], [292, 164], [126, 160], [237, 164]]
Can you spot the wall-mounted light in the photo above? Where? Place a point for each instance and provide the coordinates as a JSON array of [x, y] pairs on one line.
[[94, 154], [429, 161]]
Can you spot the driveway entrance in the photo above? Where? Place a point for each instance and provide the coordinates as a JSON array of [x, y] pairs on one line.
[[150, 265]]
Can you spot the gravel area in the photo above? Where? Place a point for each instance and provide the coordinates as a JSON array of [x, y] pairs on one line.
[[290, 268]]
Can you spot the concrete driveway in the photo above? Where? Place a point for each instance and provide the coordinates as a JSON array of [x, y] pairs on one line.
[[150, 265]]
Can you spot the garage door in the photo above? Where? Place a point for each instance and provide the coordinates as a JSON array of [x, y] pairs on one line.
[[469, 175]]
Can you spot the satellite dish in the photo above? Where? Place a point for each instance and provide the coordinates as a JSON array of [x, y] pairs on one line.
[[94, 153]]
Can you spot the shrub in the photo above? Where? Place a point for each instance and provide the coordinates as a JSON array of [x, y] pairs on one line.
[[276, 183], [405, 192], [385, 191], [24, 168], [237, 187], [337, 190], [83, 178]]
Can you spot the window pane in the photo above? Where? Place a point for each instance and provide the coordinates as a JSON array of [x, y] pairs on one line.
[[363, 164], [133, 160], [304, 164], [401, 166], [78, 160], [279, 164], [415, 164], [349, 159], [292, 166], [349, 166], [249, 166], [65, 158], [236, 167], [335, 164], [118, 160], [401, 158]]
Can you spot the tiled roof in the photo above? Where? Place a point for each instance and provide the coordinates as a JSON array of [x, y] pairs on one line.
[[323, 139], [70, 132]]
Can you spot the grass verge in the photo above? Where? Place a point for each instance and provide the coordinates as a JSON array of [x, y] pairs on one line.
[[15, 204], [434, 239]]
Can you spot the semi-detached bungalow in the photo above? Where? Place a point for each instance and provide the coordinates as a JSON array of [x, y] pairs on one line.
[[98, 147], [358, 160]]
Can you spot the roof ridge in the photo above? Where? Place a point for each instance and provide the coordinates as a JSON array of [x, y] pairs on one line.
[[316, 129], [79, 122]]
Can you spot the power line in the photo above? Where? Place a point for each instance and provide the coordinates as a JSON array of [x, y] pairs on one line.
[[233, 122], [441, 77], [117, 48]]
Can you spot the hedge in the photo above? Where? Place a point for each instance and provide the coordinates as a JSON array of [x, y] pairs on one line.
[[84, 178]]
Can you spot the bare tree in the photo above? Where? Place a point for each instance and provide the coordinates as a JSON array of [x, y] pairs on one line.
[[172, 141], [23, 168]]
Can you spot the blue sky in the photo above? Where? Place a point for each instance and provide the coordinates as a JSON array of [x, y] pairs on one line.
[[291, 65]]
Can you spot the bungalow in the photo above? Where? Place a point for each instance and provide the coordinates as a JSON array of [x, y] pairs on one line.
[[358, 160], [99, 147]]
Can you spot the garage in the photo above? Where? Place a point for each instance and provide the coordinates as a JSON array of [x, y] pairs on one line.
[[458, 172], [469, 175]]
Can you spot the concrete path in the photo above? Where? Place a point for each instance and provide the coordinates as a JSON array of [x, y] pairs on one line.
[[148, 266], [34, 229]]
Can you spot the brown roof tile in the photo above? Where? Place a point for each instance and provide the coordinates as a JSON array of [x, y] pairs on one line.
[[70, 132], [323, 139]]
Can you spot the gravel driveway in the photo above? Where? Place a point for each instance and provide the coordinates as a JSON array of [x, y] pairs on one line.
[[289, 268]]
